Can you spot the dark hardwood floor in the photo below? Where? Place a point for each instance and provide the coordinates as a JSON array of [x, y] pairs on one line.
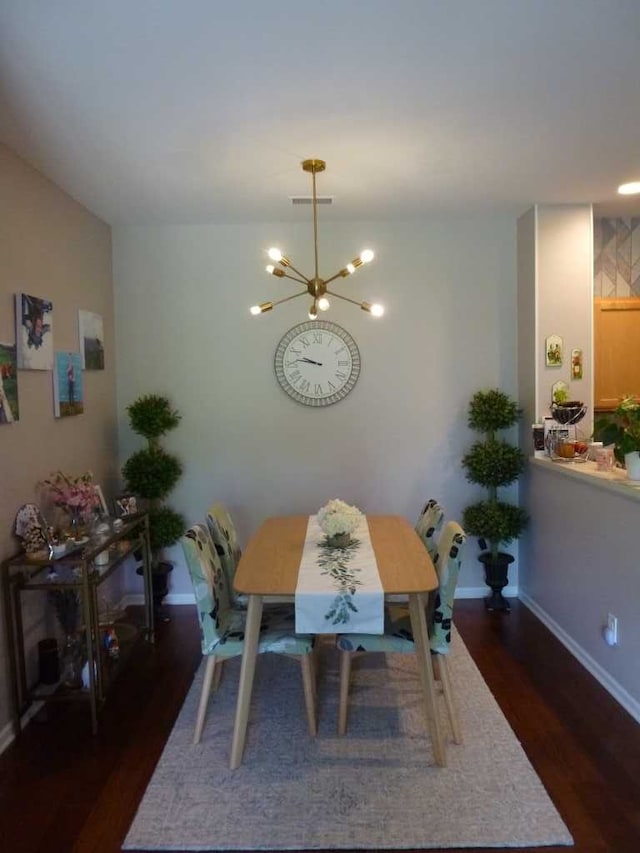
[[62, 790]]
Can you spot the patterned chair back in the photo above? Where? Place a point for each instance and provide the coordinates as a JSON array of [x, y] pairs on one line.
[[428, 525], [451, 547], [225, 539], [210, 584]]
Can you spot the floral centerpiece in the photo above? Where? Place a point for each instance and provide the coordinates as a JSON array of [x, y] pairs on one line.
[[76, 495], [338, 520]]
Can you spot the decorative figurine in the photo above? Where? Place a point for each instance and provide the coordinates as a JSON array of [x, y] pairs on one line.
[[31, 527]]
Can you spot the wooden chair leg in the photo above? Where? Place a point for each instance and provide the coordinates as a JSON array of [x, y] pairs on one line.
[[217, 674], [204, 697], [309, 693], [345, 674], [445, 680]]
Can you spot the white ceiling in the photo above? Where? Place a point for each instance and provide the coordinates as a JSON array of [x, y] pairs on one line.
[[201, 110]]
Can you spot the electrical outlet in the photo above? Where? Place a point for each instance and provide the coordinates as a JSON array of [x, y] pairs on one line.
[[611, 632]]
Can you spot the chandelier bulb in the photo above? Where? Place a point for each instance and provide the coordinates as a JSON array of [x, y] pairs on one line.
[[313, 311], [366, 256], [260, 309], [323, 303], [270, 268], [375, 309], [275, 254]]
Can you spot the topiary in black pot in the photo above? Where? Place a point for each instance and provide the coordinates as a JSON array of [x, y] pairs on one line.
[[151, 473], [494, 463]]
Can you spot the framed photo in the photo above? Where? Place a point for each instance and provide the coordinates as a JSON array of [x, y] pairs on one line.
[[68, 392], [91, 340], [34, 332], [103, 503], [553, 351], [9, 412], [125, 505]]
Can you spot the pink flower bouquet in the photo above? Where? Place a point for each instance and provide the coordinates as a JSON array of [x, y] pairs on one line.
[[77, 495]]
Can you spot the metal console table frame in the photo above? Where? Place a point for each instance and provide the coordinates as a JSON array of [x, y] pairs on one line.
[[22, 573]]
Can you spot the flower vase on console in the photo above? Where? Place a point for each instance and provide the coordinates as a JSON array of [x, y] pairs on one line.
[[76, 523]]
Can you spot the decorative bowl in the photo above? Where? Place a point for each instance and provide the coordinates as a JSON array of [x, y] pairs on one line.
[[568, 413]]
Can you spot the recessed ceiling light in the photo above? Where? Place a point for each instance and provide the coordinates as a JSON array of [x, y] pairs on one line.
[[629, 189]]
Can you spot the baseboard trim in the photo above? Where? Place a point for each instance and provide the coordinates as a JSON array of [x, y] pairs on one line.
[[171, 598], [484, 591], [599, 673], [189, 598], [7, 736]]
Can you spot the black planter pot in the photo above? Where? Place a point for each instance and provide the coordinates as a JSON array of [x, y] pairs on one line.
[[496, 575], [159, 587]]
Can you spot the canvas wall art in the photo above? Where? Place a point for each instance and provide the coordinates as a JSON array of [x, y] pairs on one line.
[[9, 412], [91, 340], [68, 396], [34, 332]]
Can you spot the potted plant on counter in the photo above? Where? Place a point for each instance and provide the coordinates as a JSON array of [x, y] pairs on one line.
[[622, 430], [151, 473], [494, 463]]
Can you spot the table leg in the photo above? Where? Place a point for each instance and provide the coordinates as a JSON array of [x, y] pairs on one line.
[[251, 637], [421, 641]]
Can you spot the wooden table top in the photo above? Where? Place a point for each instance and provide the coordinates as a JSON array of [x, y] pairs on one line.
[[269, 565]]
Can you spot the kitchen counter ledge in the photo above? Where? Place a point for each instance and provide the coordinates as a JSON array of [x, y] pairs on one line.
[[587, 472]]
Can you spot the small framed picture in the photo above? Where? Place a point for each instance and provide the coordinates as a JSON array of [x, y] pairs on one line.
[[553, 351], [103, 503], [125, 505]]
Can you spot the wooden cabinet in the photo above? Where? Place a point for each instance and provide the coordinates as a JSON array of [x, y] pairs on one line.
[[616, 347], [81, 571]]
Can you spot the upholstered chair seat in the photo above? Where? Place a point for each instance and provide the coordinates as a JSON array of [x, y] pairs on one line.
[[398, 636], [222, 626]]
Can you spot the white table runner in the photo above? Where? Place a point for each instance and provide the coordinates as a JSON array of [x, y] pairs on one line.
[[339, 589]]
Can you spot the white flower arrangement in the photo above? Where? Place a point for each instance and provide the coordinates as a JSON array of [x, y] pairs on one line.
[[338, 517]]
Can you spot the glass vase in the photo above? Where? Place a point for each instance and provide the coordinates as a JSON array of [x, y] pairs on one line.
[[76, 524], [339, 540], [72, 662]]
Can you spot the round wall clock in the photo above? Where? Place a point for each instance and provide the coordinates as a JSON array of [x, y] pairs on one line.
[[317, 363]]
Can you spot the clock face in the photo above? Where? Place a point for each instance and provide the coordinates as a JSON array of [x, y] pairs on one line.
[[317, 363]]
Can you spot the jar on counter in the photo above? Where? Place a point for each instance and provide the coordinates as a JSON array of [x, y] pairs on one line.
[[537, 431]]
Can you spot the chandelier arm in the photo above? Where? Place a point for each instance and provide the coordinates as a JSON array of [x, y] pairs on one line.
[[343, 273], [289, 298], [301, 274], [345, 298], [293, 278]]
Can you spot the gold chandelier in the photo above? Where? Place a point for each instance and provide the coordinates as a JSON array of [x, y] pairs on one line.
[[316, 287]]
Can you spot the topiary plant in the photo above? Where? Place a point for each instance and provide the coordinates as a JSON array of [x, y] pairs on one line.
[[151, 473], [494, 463]]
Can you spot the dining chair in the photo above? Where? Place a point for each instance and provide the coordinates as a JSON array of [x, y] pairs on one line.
[[429, 524], [398, 637], [225, 538], [222, 626], [427, 527]]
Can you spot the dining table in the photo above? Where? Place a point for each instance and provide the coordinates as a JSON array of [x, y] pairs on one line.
[[268, 570]]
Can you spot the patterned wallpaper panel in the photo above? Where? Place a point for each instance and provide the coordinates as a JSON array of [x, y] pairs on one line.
[[616, 257]]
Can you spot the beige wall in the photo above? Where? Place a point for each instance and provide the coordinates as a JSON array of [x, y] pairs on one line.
[[51, 247]]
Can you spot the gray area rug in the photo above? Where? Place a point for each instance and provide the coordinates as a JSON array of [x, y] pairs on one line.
[[376, 788]]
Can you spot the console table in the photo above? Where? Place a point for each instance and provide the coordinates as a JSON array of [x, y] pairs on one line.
[[76, 570]]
